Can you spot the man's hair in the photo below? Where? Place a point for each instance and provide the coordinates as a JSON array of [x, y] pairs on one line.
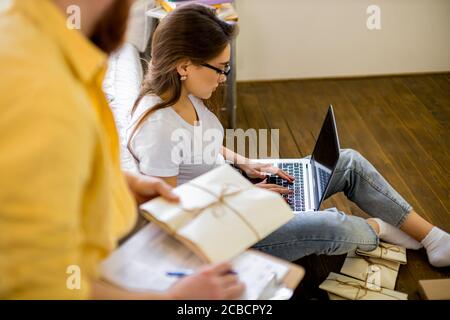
[[110, 30]]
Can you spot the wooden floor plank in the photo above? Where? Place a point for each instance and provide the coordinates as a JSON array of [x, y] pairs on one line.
[[404, 153], [268, 104], [428, 148], [435, 99], [420, 122]]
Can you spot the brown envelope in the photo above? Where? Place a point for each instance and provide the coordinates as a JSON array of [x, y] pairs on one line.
[[332, 296], [353, 289], [363, 268], [386, 251], [437, 289]]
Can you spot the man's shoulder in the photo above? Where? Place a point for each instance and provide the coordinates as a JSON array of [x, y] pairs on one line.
[[26, 50], [34, 70], [21, 40]]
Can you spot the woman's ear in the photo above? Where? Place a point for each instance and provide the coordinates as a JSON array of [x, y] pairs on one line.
[[182, 68]]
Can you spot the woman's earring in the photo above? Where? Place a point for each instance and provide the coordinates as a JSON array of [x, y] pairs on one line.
[[183, 78]]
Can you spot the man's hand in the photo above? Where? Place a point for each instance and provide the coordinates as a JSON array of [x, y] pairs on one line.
[[146, 188], [212, 282]]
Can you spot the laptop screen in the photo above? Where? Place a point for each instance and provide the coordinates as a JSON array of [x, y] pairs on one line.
[[325, 157]]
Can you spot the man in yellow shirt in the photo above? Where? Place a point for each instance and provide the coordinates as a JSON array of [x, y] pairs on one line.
[[64, 201]]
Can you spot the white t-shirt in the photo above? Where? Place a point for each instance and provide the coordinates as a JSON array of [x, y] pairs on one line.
[[166, 145]]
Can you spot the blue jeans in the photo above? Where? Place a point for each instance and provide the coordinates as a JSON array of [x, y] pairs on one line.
[[331, 231]]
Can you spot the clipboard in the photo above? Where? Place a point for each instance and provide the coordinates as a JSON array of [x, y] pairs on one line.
[[142, 261], [290, 281]]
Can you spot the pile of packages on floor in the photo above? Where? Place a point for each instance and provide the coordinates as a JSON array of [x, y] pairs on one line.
[[368, 275]]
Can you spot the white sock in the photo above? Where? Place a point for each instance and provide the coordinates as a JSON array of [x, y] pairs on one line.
[[394, 235], [437, 244]]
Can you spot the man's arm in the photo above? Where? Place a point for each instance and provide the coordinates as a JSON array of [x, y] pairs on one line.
[[47, 150]]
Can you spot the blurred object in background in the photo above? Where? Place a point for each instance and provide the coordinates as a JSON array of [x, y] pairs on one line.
[[4, 4], [140, 25], [224, 8]]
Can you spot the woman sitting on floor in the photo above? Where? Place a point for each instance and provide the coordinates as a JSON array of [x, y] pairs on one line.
[[190, 59]]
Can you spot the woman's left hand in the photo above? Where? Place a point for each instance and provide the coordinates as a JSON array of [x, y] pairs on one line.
[[260, 170]]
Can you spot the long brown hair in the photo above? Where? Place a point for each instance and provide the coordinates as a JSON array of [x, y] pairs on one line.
[[193, 32]]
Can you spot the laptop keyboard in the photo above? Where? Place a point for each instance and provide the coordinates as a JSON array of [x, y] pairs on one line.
[[297, 199], [323, 179]]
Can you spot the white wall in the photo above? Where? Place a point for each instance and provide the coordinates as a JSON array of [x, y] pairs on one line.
[[4, 4], [283, 39]]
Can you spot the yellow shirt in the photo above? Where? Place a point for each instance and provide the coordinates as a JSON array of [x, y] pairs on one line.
[[63, 198]]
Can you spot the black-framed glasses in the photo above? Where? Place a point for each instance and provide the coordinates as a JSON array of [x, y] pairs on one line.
[[224, 72]]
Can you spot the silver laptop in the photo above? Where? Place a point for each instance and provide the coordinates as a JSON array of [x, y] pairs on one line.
[[312, 176]]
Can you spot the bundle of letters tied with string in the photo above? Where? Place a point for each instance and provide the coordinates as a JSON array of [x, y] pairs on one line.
[[368, 275]]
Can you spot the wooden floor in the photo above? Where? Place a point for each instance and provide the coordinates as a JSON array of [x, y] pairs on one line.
[[400, 124]]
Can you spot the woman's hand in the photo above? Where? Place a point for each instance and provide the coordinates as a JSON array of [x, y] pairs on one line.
[[146, 188], [273, 187], [260, 170], [210, 283]]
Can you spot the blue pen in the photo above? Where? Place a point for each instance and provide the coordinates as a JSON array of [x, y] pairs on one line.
[[178, 274], [181, 274]]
